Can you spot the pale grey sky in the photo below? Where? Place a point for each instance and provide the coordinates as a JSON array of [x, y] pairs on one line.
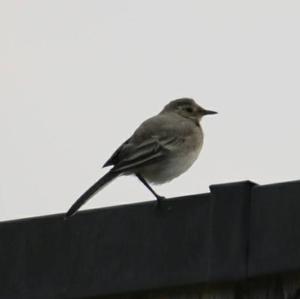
[[77, 77]]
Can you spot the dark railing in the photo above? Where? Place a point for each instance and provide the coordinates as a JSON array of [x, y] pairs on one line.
[[234, 234]]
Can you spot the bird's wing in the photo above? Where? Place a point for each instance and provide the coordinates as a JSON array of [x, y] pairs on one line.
[[150, 142], [115, 156], [133, 156]]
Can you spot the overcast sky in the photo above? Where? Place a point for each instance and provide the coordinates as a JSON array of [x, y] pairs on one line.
[[77, 77]]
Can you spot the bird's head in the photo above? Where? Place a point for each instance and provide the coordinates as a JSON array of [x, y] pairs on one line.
[[187, 108]]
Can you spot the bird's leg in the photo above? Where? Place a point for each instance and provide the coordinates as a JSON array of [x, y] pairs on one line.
[[158, 197]]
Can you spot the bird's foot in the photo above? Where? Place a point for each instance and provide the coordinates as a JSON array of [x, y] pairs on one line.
[[159, 200], [161, 204]]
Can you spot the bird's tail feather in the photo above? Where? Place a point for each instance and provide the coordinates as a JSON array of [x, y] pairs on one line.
[[102, 182]]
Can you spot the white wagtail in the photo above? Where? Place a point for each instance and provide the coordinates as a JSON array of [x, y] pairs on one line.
[[162, 148]]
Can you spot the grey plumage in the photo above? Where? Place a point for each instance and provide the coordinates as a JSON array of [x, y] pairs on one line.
[[162, 148]]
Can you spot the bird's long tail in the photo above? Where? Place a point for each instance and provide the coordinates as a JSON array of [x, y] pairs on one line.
[[102, 182]]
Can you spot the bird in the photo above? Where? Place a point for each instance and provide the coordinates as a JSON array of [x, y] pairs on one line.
[[160, 149]]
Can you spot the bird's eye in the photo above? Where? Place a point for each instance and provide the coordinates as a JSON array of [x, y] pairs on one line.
[[188, 109]]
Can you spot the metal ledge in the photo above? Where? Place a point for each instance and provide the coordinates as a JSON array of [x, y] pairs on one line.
[[239, 230]]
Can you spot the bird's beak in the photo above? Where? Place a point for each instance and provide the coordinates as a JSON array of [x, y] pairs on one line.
[[207, 112]]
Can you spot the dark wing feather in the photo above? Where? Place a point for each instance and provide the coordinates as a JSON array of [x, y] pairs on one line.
[[115, 156], [134, 156]]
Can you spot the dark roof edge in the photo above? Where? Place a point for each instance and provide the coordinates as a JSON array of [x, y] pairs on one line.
[[238, 230]]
